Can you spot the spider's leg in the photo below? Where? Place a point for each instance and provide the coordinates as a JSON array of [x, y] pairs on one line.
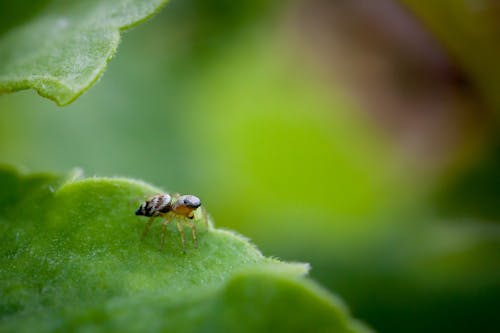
[[183, 239], [204, 216], [163, 229], [193, 230], [148, 225]]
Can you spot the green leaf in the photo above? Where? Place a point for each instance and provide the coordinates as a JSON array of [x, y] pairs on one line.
[[64, 48], [71, 260]]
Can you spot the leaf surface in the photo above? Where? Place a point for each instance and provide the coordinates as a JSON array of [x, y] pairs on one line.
[[64, 48], [72, 260]]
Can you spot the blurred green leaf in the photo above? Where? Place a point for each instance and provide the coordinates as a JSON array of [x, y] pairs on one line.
[[63, 49], [476, 193], [72, 260]]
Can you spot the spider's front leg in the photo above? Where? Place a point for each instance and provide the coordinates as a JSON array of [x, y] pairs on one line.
[[183, 239], [204, 216], [193, 231]]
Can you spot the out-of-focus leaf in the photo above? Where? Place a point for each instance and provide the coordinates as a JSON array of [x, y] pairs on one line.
[[71, 260], [65, 47]]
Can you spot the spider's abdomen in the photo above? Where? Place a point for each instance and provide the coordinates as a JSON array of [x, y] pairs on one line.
[[160, 203]]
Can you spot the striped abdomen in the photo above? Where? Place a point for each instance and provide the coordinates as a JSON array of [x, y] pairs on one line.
[[160, 203]]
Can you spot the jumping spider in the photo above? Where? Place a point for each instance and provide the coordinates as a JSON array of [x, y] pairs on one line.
[[177, 207]]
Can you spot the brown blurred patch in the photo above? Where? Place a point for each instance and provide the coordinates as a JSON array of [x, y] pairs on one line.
[[399, 74]]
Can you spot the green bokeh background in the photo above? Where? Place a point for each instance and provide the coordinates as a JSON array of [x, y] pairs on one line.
[[223, 100]]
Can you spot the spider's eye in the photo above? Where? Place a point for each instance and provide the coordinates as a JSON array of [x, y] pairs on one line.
[[192, 202]]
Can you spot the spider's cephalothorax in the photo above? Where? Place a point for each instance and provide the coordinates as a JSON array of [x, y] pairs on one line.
[[181, 207], [186, 205]]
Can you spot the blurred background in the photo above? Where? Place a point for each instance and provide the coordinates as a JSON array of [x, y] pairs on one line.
[[360, 136]]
